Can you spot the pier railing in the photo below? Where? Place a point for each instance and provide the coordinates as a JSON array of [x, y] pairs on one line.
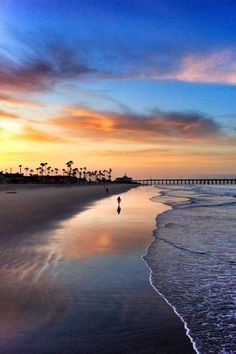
[[179, 181]]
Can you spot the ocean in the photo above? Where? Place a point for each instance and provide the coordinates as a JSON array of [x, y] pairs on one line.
[[192, 262]]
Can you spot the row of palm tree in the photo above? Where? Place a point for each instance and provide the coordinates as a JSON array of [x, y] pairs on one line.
[[81, 173]]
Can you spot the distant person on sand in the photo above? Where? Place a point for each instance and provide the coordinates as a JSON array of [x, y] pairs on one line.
[[107, 190], [119, 200]]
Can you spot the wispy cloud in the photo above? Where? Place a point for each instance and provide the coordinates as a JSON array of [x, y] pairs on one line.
[[5, 114], [16, 101], [215, 67], [175, 154], [156, 127], [39, 69], [210, 66], [42, 64], [29, 133]]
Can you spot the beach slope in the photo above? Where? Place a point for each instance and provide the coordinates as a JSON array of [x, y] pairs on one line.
[[28, 208]]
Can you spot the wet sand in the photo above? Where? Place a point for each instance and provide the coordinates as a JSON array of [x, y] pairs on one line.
[[79, 285], [28, 208]]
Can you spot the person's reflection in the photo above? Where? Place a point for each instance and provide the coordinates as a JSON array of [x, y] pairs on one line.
[[118, 209]]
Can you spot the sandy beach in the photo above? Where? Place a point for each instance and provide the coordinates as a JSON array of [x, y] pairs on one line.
[[72, 275], [29, 208]]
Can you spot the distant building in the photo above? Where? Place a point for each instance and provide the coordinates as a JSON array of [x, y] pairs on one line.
[[124, 179]]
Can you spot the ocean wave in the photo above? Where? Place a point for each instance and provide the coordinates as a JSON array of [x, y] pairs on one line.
[[192, 262]]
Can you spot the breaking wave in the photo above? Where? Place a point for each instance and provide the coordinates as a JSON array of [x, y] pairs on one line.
[[192, 261]]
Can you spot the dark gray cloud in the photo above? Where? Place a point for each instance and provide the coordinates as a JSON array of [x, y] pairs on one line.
[[41, 61], [40, 65]]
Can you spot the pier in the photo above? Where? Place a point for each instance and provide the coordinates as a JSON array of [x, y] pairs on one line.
[[191, 181]]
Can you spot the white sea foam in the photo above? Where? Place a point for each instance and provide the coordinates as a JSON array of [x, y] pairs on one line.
[[192, 261]]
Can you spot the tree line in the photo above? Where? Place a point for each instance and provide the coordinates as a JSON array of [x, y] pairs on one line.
[[71, 171]]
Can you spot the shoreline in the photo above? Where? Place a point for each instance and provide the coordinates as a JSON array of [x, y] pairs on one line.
[[165, 219], [172, 207]]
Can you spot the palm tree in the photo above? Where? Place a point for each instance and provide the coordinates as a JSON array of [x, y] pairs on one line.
[[95, 175], [31, 172], [109, 174], [74, 171], [69, 165], [42, 166], [105, 173], [80, 172], [45, 165], [26, 170], [84, 173], [20, 166], [49, 170], [56, 171], [90, 173]]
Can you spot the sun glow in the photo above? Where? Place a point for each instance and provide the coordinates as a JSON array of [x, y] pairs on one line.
[[10, 127]]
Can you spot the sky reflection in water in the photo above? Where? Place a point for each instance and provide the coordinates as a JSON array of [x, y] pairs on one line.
[[88, 278], [100, 230]]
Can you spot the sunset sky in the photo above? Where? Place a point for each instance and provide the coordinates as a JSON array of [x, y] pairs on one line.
[[144, 87]]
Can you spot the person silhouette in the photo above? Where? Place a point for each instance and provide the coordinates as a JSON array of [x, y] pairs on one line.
[[119, 200], [118, 209]]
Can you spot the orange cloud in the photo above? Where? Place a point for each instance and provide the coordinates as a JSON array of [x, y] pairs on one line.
[[9, 99], [4, 114], [32, 134], [175, 154], [162, 127]]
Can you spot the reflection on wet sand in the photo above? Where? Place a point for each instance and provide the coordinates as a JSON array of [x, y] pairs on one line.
[[84, 287], [100, 231]]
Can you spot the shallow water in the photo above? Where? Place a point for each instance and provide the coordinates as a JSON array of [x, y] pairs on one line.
[[85, 288], [193, 263]]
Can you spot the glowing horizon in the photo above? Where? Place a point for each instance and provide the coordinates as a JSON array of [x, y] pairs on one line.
[[109, 85]]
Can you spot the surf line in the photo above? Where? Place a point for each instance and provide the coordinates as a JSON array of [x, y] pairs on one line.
[[163, 297]]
